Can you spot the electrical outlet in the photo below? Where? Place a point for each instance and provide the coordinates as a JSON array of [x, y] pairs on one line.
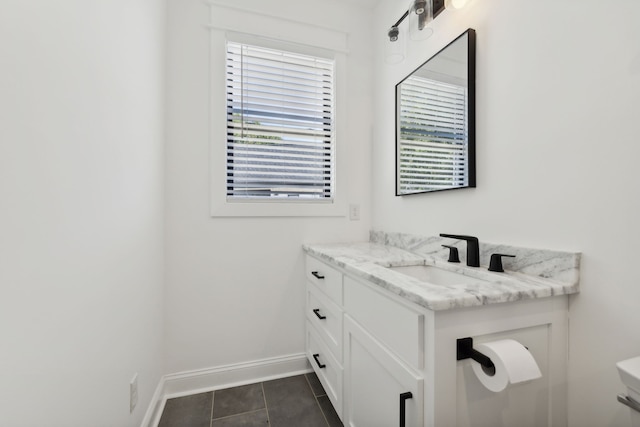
[[354, 212], [133, 393]]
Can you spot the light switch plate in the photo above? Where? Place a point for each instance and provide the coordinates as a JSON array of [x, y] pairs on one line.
[[354, 212]]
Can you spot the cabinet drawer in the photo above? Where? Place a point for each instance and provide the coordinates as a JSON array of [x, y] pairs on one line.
[[396, 326], [327, 368], [326, 278], [326, 316]]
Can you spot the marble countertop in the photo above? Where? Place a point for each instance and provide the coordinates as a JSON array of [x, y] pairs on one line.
[[369, 261]]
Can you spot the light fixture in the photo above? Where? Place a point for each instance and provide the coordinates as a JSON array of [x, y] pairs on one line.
[[420, 13], [394, 50], [394, 32]]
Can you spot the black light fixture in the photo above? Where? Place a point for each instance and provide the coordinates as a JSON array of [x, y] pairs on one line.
[[419, 6], [393, 33], [394, 50], [420, 13]]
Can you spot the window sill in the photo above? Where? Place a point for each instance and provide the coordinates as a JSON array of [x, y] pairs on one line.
[[278, 208]]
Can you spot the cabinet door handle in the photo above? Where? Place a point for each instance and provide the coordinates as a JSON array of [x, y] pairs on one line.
[[317, 275], [320, 365], [403, 399], [320, 316]]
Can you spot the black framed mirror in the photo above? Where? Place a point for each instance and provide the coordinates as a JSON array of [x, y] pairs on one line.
[[435, 121]]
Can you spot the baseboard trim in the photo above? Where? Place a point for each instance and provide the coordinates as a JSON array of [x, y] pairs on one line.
[[203, 380], [156, 406]]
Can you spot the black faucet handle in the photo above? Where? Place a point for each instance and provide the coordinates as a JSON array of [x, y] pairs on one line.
[[495, 264], [453, 253]]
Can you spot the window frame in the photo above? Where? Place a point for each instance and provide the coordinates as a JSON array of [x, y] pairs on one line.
[[220, 205]]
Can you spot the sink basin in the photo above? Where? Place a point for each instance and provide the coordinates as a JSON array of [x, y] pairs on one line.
[[436, 276]]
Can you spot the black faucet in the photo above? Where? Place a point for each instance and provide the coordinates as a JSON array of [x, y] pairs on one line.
[[473, 248]]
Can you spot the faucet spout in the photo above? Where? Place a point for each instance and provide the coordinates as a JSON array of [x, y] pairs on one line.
[[473, 248]]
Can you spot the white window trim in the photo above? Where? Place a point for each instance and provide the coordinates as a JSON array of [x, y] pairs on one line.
[[219, 204]]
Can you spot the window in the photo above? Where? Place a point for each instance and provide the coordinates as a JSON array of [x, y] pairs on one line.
[[433, 130], [280, 125]]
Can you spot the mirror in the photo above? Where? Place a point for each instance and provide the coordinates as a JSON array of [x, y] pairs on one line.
[[435, 121]]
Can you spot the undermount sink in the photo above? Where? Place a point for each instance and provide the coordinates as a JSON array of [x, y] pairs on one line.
[[436, 276]]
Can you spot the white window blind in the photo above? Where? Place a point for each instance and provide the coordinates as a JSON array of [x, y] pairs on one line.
[[433, 135], [279, 124]]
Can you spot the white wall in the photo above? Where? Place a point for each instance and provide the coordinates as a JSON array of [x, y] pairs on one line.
[[558, 84], [81, 199], [235, 289]]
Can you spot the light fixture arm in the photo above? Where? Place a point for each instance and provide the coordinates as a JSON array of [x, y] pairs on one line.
[[402, 18], [393, 31]]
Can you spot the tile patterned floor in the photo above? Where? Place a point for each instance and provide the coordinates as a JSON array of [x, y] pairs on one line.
[[298, 401]]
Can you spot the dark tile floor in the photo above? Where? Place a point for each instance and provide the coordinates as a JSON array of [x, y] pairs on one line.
[[298, 401]]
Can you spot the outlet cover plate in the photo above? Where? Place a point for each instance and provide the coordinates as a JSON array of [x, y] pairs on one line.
[[133, 393]]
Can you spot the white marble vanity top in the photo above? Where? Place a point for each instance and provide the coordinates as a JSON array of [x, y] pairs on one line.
[[537, 274]]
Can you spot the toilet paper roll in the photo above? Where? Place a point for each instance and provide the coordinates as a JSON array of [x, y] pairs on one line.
[[513, 362]]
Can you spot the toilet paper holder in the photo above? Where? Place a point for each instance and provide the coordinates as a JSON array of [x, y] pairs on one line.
[[465, 350], [626, 400]]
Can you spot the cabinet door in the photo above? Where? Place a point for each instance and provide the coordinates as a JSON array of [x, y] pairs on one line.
[[374, 382], [395, 326]]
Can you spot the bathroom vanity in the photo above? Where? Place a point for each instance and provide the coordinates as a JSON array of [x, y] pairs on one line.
[[381, 335]]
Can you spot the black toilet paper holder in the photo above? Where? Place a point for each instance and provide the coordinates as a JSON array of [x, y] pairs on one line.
[[465, 350]]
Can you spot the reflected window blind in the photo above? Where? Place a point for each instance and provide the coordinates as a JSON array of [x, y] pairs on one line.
[[433, 130], [279, 124]]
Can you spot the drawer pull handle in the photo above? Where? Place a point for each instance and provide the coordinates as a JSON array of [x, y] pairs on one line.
[[320, 365], [320, 316], [403, 400], [317, 275]]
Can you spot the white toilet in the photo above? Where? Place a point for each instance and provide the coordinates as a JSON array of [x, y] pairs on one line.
[[629, 371]]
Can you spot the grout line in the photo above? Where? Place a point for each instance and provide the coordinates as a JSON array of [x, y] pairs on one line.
[[266, 408], [322, 411], [213, 396], [316, 399], [237, 415], [306, 377]]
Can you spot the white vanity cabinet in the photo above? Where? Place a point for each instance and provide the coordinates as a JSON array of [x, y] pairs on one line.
[[379, 355], [383, 353], [366, 349]]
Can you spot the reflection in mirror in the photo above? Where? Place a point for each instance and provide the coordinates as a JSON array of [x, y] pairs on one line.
[[435, 122]]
